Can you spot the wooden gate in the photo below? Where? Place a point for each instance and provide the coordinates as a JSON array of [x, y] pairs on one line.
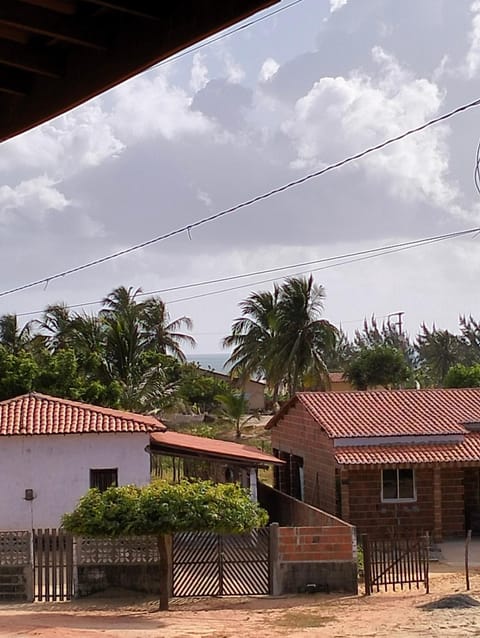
[[207, 564], [52, 565], [400, 562]]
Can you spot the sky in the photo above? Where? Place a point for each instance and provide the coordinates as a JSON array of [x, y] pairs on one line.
[[245, 114]]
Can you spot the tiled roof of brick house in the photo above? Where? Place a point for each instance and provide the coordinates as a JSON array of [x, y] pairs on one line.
[[389, 412], [466, 451], [41, 414]]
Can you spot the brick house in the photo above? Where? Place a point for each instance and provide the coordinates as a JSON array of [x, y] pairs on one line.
[[385, 461]]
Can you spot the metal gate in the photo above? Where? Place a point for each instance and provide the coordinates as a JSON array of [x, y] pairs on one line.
[[52, 565], [207, 564], [400, 562]]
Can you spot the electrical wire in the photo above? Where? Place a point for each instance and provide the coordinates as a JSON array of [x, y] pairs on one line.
[[254, 200], [226, 34], [303, 272], [359, 255], [476, 172]]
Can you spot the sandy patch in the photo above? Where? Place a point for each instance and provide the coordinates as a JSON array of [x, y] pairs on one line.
[[447, 611]]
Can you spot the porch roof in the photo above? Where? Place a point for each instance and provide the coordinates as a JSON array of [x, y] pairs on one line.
[[466, 451], [179, 444]]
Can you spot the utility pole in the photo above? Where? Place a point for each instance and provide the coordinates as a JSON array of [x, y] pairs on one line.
[[399, 323]]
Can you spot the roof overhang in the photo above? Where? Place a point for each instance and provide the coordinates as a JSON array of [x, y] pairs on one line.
[[465, 453], [189, 446], [56, 54]]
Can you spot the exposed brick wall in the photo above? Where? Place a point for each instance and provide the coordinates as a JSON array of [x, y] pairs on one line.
[[297, 544], [297, 433], [453, 508], [371, 516], [286, 510]]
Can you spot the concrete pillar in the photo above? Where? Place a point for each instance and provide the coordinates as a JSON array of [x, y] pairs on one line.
[[275, 585], [437, 504], [253, 484], [345, 493]]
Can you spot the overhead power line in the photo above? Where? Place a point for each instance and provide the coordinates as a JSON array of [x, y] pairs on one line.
[[311, 270], [249, 202], [226, 34], [338, 260]]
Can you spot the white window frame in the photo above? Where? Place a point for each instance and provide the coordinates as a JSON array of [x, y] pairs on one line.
[[398, 499]]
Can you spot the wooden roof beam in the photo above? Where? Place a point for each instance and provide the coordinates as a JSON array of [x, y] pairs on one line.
[[12, 34], [140, 8], [28, 59], [67, 7], [13, 83], [36, 20]]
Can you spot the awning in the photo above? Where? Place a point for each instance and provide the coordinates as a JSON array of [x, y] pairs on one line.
[[188, 445]]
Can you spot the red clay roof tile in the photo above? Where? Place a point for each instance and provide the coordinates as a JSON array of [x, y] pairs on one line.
[[177, 442], [41, 414], [389, 412], [465, 451]]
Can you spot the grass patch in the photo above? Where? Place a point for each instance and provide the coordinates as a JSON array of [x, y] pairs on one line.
[[303, 620]]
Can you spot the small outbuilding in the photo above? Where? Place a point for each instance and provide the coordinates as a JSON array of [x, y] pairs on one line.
[[388, 462]]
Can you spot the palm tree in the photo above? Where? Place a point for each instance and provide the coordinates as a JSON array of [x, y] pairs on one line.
[[253, 339], [56, 323], [133, 331], [302, 335], [124, 342], [470, 330], [162, 334], [438, 350], [281, 336], [88, 340], [12, 337], [234, 407]]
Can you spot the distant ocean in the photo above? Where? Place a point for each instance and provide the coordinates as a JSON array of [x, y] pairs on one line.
[[214, 361]]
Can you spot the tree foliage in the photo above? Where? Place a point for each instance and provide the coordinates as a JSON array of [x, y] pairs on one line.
[[123, 357], [234, 406], [161, 509], [377, 366], [281, 336], [461, 376], [165, 508]]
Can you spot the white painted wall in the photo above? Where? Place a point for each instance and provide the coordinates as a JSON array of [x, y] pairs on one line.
[[57, 468]]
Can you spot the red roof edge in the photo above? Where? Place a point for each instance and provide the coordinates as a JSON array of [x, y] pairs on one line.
[[281, 413]]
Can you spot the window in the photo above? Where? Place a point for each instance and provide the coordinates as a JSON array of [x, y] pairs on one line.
[[289, 478], [398, 485], [104, 479]]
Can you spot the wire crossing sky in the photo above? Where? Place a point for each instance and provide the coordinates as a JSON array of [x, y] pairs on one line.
[[254, 200]]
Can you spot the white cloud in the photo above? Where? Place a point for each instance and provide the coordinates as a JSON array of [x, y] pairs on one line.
[[31, 199], [268, 70], [199, 73], [235, 73], [79, 139], [149, 105], [364, 110], [204, 197], [335, 5], [472, 61]]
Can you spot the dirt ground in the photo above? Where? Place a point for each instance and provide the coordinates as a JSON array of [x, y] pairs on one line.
[[382, 615]]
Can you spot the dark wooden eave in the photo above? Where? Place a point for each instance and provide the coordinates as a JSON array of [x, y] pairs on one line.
[[56, 54]]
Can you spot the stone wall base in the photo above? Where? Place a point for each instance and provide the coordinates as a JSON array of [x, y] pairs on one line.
[[325, 576], [96, 578]]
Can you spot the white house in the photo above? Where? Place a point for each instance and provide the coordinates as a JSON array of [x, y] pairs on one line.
[[53, 450]]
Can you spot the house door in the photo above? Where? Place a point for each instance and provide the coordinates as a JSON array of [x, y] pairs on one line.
[[471, 481]]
